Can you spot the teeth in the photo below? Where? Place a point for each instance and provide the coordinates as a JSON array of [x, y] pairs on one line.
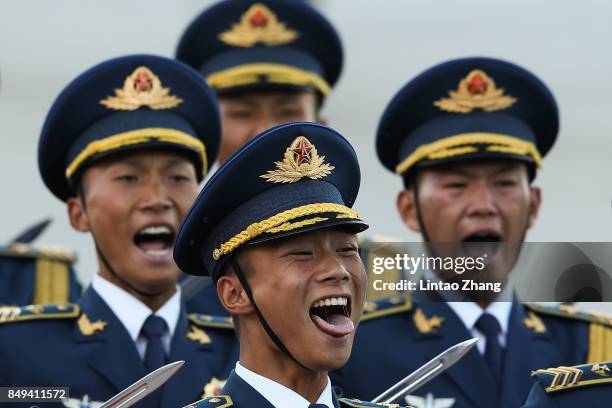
[[155, 230], [158, 252], [335, 301]]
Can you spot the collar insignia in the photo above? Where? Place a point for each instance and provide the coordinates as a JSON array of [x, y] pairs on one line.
[[301, 160], [84, 403], [142, 88], [429, 401], [476, 91], [213, 388], [601, 369], [198, 335], [258, 25], [427, 325], [533, 322], [88, 328]]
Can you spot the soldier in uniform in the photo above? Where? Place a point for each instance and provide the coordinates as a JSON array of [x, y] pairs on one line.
[[125, 146], [36, 274], [283, 254], [579, 386], [467, 136], [270, 62]]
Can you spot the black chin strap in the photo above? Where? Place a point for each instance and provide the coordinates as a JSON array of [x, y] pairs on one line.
[[417, 209], [116, 275], [262, 320], [108, 265]]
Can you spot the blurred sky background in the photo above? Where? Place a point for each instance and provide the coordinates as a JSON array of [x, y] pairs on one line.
[[45, 44]]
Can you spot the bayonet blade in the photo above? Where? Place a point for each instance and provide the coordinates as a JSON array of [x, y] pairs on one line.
[[426, 372], [143, 387]]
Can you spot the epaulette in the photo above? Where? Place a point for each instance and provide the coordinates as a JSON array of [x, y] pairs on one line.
[[565, 378], [355, 403], [219, 401], [204, 320], [38, 312], [600, 328], [46, 252], [571, 312], [385, 307]]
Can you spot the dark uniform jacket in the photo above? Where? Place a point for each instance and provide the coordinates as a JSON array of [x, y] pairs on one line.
[[85, 347], [400, 336]]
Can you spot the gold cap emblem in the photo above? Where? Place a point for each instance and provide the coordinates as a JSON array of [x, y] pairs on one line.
[[301, 160], [476, 91], [258, 25], [142, 88]]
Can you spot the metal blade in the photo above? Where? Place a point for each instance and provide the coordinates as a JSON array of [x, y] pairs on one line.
[[427, 372], [143, 387]]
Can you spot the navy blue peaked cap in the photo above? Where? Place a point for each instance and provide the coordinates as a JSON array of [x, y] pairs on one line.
[[290, 179], [246, 44], [468, 108], [132, 102]]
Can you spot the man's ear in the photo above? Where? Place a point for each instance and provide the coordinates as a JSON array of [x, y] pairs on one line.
[[406, 207], [232, 295], [535, 201], [322, 120], [77, 214]]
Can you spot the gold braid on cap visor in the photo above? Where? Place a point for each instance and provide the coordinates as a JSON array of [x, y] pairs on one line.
[[138, 136], [281, 222], [460, 144], [250, 74]]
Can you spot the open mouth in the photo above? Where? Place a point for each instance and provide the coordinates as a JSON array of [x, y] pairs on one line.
[[155, 241], [332, 315], [482, 242]]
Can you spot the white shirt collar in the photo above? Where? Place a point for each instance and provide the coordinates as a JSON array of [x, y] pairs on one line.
[[132, 312], [470, 312], [277, 394]]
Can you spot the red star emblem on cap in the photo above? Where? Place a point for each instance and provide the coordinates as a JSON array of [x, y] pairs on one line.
[[302, 152], [258, 19], [143, 82], [477, 85]]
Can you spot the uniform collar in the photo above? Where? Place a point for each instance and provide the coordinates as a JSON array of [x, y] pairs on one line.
[[132, 312], [279, 395], [469, 312]]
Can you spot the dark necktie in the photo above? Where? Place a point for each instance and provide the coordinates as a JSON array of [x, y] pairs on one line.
[[153, 329], [490, 327], [318, 406]]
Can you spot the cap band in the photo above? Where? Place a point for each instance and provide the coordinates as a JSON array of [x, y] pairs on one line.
[[133, 137], [464, 143], [250, 74], [280, 222]]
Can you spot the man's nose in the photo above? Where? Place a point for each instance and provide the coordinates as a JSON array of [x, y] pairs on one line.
[[155, 196], [481, 200]]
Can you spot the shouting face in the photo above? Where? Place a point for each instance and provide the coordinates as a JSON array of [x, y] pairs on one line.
[[133, 203], [310, 288]]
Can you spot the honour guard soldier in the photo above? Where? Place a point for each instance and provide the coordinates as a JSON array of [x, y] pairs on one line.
[[36, 274], [283, 254], [466, 137], [270, 62], [587, 385], [124, 145]]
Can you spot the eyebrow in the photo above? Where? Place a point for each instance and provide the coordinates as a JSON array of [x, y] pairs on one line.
[[499, 170]]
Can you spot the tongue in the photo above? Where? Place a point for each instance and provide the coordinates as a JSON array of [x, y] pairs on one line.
[[152, 245], [338, 326]]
